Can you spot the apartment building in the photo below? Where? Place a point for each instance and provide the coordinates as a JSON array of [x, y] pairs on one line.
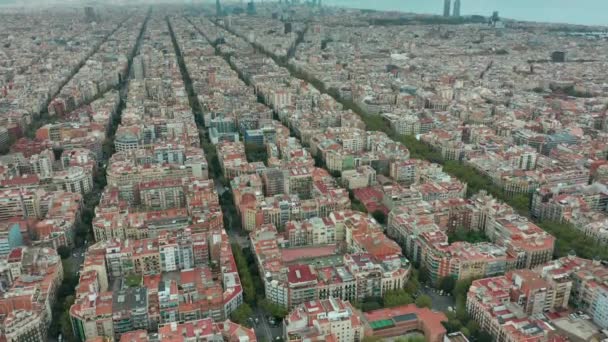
[[324, 319]]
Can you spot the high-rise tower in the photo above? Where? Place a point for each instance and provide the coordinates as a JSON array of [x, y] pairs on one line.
[[456, 12], [447, 5], [251, 8], [218, 8], [495, 18], [89, 14]]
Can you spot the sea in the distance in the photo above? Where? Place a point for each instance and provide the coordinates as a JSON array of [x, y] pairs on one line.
[[586, 12]]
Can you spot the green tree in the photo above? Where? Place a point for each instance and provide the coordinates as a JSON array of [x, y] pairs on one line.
[[55, 326], [100, 179], [411, 339], [520, 202], [64, 252], [108, 149], [68, 302], [247, 283], [258, 284], [424, 301], [256, 153], [462, 234], [87, 214], [370, 306], [462, 287], [423, 275], [412, 286], [133, 280], [379, 216], [397, 298], [358, 206], [461, 310], [416, 339], [569, 239], [66, 327], [447, 284], [241, 314], [473, 327], [484, 336], [371, 339], [275, 310], [460, 295], [452, 324]]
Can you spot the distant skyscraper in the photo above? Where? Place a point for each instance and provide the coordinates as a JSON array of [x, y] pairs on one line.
[[251, 8], [447, 5], [89, 14], [218, 8], [456, 12], [495, 17]]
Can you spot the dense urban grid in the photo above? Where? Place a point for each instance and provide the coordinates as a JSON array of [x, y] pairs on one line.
[[292, 171]]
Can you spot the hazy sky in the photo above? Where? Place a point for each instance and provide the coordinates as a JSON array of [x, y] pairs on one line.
[[590, 12]]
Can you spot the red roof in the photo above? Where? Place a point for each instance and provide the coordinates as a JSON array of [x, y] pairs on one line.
[[371, 198], [293, 254], [431, 320], [15, 254], [135, 336], [22, 180], [300, 274]]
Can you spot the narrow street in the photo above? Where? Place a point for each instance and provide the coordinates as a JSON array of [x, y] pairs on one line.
[[78, 253], [76, 259], [264, 331], [43, 116], [196, 108], [440, 303]]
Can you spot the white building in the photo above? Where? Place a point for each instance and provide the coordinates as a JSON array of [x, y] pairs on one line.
[[4, 136], [42, 164], [21, 325], [169, 257], [276, 291], [600, 307], [316, 320], [74, 179]]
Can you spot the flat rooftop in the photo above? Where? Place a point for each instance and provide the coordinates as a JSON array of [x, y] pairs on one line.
[[583, 329], [294, 254]]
